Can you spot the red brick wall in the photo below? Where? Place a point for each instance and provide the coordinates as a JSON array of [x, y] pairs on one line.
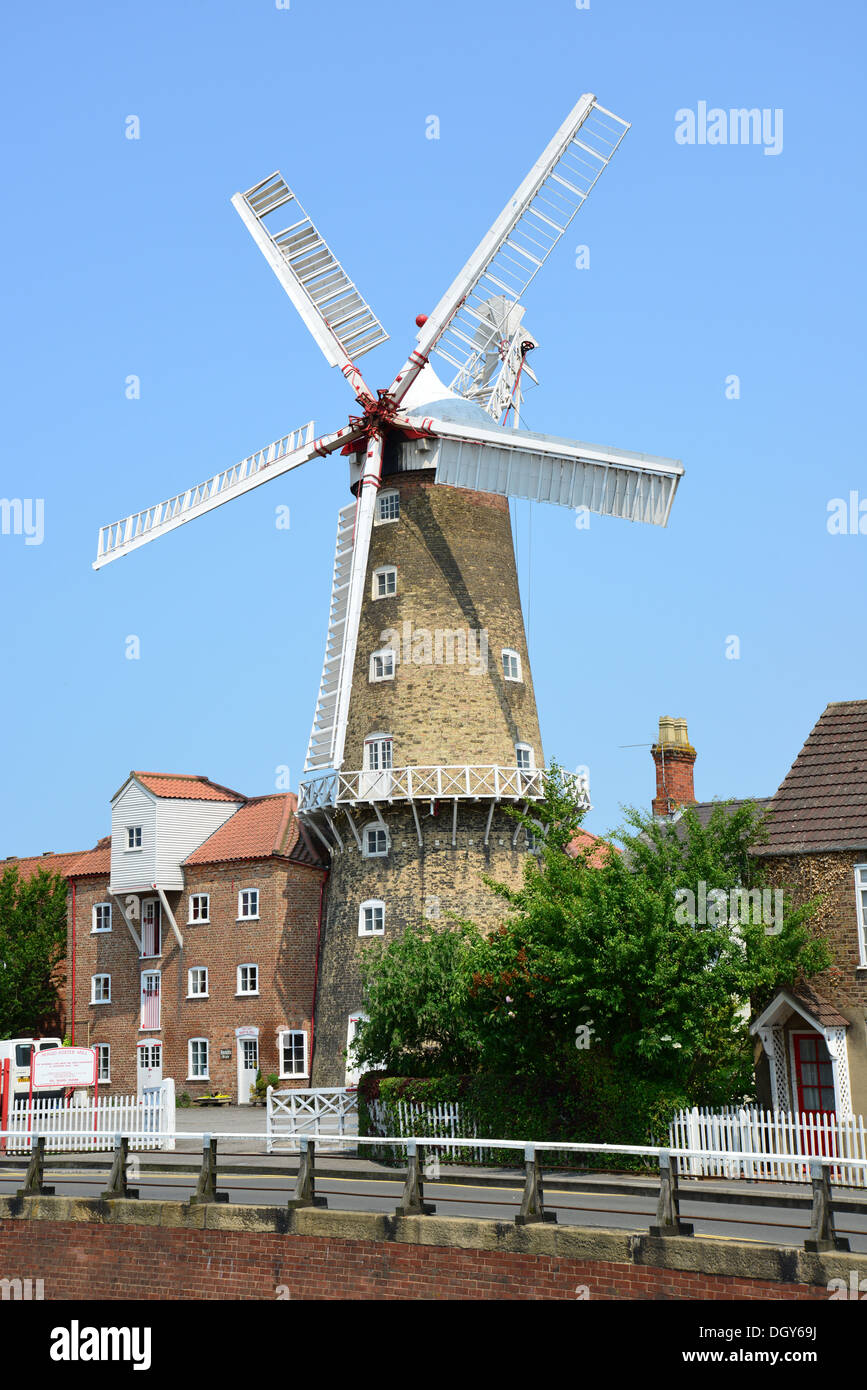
[[146, 1262], [282, 943]]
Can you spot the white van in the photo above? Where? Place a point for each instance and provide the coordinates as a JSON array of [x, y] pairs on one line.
[[17, 1051]]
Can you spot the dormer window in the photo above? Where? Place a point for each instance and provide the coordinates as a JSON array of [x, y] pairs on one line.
[[388, 506], [133, 837], [511, 665], [385, 582]]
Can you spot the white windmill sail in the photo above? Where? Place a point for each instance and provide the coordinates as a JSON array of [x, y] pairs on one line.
[[285, 453], [544, 468], [519, 242], [338, 316], [321, 748]]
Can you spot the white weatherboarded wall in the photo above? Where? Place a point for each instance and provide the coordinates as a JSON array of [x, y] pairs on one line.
[[171, 829]]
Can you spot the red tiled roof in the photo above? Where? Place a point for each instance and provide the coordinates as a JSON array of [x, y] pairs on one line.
[[262, 827], [186, 786], [54, 863], [583, 841], [93, 861]]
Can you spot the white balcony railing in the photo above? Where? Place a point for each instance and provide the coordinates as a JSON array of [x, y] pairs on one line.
[[472, 782]]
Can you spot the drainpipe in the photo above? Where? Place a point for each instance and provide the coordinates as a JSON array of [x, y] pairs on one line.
[[316, 968], [72, 1021]]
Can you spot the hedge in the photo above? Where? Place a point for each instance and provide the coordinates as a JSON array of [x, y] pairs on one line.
[[594, 1104]]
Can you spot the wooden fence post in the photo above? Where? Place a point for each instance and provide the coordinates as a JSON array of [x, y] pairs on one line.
[[117, 1185], [305, 1183], [668, 1222], [533, 1199], [412, 1202], [822, 1235], [34, 1181], [206, 1188]]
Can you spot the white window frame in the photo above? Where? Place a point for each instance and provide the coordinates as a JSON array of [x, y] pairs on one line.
[[509, 656], [206, 1074], [528, 749], [383, 746], [103, 1075], [384, 572], [247, 916], [293, 1033], [157, 1027], [199, 921], [94, 929], [93, 979], [380, 656], [131, 831], [246, 993], [197, 994], [372, 904], [378, 853], [861, 887], [386, 496]]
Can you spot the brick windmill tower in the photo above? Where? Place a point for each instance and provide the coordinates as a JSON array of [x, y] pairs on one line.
[[426, 725]]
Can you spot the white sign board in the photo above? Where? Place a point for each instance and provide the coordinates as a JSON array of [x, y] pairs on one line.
[[56, 1067]]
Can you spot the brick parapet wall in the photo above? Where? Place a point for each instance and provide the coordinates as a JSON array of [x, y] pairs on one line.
[[152, 1250]]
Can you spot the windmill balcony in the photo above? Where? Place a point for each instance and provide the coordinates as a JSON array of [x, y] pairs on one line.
[[464, 782]]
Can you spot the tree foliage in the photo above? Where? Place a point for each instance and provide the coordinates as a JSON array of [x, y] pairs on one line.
[[32, 947], [594, 950]]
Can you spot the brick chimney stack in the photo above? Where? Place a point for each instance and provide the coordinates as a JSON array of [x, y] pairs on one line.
[[674, 757]]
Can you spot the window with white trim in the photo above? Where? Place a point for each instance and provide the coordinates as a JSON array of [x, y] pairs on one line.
[[861, 904], [133, 837], [101, 917], [292, 1048], [382, 665], [103, 1062], [248, 904], [248, 979], [523, 757], [197, 982], [388, 506], [197, 1059], [384, 583], [378, 753], [374, 841], [100, 989], [200, 907], [511, 665], [371, 918]]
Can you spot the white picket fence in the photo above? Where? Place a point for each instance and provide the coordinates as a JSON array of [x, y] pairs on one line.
[[318, 1112], [787, 1139], [445, 1120], [148, 1119]]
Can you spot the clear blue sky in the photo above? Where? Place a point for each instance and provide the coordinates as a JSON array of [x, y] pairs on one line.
[[125, 257]]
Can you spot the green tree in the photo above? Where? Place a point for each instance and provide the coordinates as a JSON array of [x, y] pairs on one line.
[[597, 949], [32, 947]]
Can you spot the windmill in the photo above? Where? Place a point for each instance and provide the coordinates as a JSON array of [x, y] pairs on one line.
[[419, 736]]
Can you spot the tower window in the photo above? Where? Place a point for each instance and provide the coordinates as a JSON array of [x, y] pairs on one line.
[[388, 506], [511, 665], [523, 757], [375, 841], [382, 665], [371, 918], [385, 582], [378, 753]]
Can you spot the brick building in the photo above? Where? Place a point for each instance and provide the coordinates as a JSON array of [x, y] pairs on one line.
[[193, 935]]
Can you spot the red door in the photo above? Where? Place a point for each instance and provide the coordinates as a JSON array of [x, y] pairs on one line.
[[814, 1075]]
